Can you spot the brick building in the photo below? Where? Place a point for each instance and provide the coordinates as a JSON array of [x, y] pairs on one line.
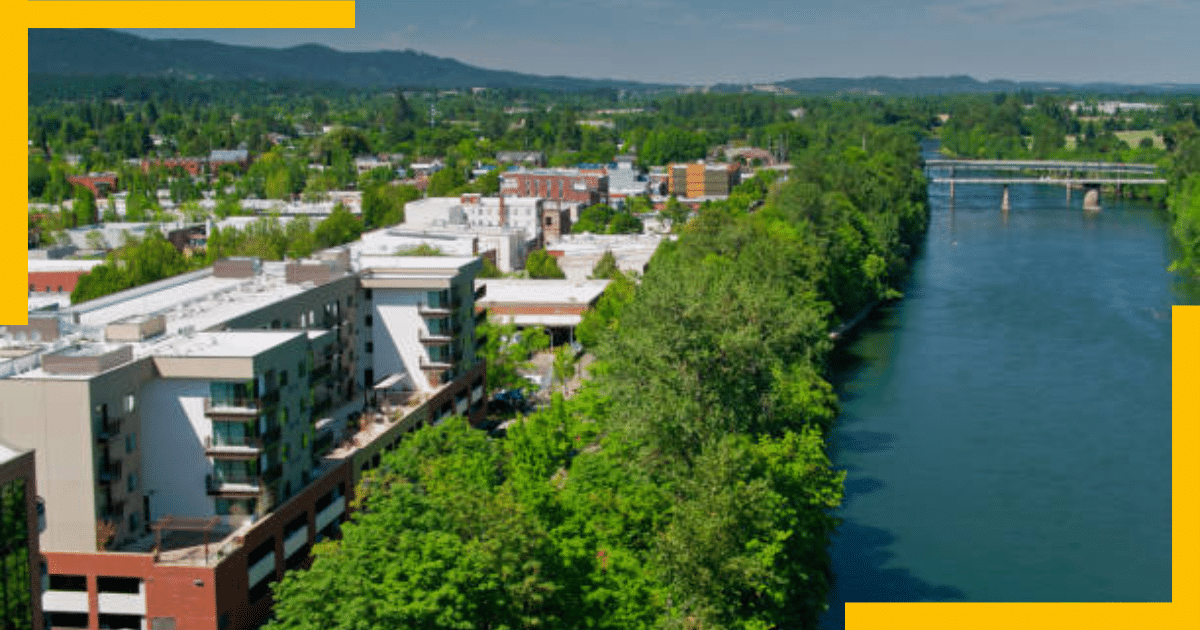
[[586, 186]]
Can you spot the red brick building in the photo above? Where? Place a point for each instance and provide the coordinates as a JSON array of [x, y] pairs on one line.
[[57, 276], [586, 186], [99, 183]]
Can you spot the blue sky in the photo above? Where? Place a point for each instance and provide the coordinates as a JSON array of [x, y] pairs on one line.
[[702, 42]]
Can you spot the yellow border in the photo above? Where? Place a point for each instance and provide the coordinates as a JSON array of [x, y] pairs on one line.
[[1183, 612], [22, 15], [1184, 609]]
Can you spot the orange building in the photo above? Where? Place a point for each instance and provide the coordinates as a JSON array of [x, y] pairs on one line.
[[702, 180]]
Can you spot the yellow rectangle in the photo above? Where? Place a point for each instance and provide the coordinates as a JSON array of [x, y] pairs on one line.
[[21, 16]]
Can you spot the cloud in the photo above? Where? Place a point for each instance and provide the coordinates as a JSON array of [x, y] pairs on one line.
[[1018, 12]]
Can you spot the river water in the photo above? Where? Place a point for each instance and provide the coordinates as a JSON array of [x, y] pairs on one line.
[[1006, 427]]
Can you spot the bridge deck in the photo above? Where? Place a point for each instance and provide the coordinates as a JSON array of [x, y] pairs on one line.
[[1055, 165], [1051, 180]]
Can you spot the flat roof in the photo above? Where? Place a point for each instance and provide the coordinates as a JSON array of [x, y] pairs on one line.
[[239, 344], [415, 263], [508, 291], [62, 264]]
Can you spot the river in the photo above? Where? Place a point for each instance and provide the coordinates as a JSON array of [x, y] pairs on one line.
[[1005, 427]]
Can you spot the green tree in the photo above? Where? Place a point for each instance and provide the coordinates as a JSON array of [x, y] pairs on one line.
[[539, 264], [606, 268], [84, 207]]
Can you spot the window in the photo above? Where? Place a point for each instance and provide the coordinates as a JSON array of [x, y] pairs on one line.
[[283, 416], [283, 378], [127, 585], [368, 320], [131, 483], [133, 522], [367, 293], [130, 442], [300, 369], [370, 347], [130, 403]]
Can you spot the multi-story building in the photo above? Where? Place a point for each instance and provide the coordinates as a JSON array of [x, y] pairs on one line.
[[198, 434], [702, 180], [586, 186], [20, 517]]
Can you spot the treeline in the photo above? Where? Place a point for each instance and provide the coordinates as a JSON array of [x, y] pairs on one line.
[[1184, 198], [150, 258], [686, 485]]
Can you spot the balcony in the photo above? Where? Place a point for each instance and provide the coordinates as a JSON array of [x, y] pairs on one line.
[[109, 472], [433, 339], [110, 428], [243, 446], [234, 484], [321, 372], [233, 406], [435, 364], [480, 292], [425, 310]]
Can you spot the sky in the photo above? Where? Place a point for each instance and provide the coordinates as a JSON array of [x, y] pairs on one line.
[[705, 41]]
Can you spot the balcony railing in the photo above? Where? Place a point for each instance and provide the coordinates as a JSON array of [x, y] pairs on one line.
[[233, 483], [109, 472], [425, 309], [434, 339], [238, 406], [109, 429], [435, 364], [244, 445]]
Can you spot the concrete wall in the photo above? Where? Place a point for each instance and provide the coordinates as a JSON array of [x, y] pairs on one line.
[[173, 440], [396, 334]]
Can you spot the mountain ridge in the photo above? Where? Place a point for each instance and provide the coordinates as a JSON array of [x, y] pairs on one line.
[[98, 52]]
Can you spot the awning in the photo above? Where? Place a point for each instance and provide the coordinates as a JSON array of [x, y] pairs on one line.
[[391, 380]]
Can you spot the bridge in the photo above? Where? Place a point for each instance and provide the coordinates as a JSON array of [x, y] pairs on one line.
[[1090, 175]]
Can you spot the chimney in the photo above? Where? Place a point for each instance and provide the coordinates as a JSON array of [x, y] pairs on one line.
[[503, 212]]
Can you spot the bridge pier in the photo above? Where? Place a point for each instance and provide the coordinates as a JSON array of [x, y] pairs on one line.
[[1091, 200], [1004, 205]]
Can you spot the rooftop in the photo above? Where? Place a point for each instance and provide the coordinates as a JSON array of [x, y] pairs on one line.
[[242, 343], [506, 291]]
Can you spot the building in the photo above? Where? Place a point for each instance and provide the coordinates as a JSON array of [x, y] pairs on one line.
[[196, 166], [512, 225], [585, 186], [577, 254], [99, 183], [205, 430], [702, 180], [556, 305], [47, 275], [21, 515], [624, 179], [535, 159], [507, 248]]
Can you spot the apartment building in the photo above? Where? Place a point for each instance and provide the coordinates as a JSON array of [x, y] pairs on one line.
[[197, 435], [20, 517], [702, 180]]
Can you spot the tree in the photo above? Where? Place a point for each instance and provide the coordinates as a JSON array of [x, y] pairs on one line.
[[606, 268], [424, 249], [339, 227], [506, 352], [564, 366], [675, 213], [539, 264], [84, 207]]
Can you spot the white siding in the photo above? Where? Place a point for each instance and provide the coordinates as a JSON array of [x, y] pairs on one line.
[[65, 601], [173, 462], [123, 603], [396, 334]]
